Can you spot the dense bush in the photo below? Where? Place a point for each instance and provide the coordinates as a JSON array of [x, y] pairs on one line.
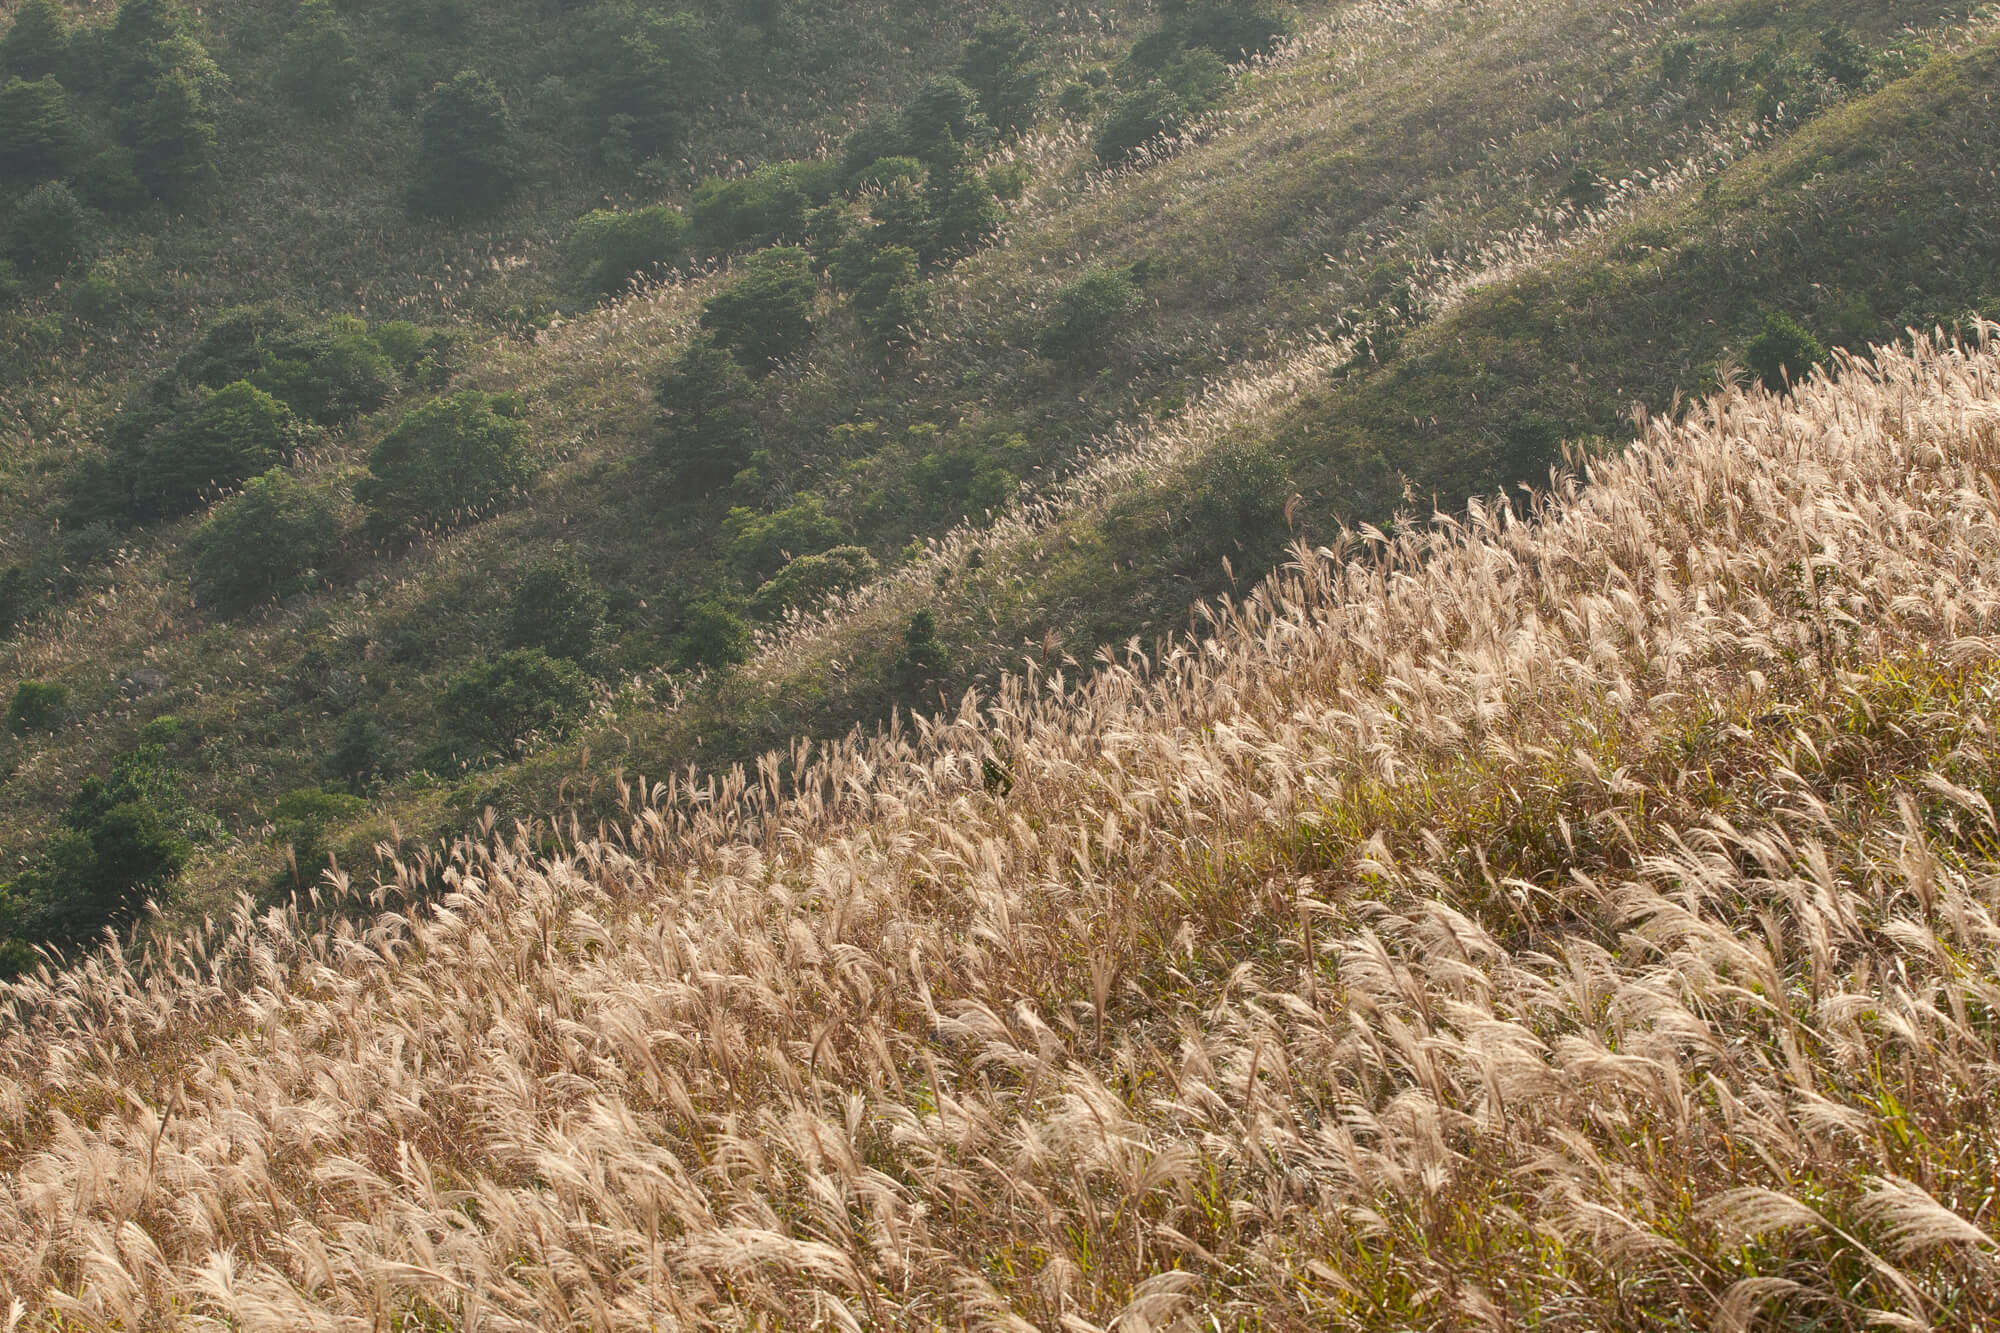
[[40, 137], [890, 296], [319, 69], [1088, 321], [645, 71], [808, 580], [713, 635], [708, 416], [37, 705], [557, 607], [468, 154], [302, 822], [501, 705], [224, 438], [761, 543], [1001, 64], [1784, 353], [50, 230], [766, 207], [1231, 505], [110, 182], [764, 316], [275, 537], [1140, 117], [446, 463], [329, 374], [36, 41], [173, 140], [924, 660], [608, 250]]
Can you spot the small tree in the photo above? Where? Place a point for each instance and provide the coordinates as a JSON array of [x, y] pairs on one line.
[[608, 250], [1137, 119], [810, 579], [36, 41], [646, 71], [1001, 64], [1089, 320], [1784, 353], [943, 114], [445, 463], [110, 182], [39, 134], [713, 635], [275, 537], [965, 217], [50, 231], [890, 297], [468, 156], [558, 608], [319, 70], [231, 435], [500, 705], [37, 705], [924, 659], [765, 315], [708, 411], [173, 141]]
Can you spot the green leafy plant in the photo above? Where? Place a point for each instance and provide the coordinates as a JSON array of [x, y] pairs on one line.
[[765, 316], [37, 705], [275, 537], [469, 153], [448, 462]]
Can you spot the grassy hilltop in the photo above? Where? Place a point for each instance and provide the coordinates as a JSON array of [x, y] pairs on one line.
[[1578, 919]]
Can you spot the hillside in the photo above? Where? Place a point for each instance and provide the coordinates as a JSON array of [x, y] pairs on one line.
[[1575, 918], [577, 604]]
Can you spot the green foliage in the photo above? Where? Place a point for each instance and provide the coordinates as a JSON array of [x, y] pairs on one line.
[[1089, 318], [766, 207], [943, 115], [448, 462], [275, 537], [713, 635], [764, 317], [924, 660], [503, 704], [1140, 117], [889, 294], [1783, 353], [226, 437], [808, 580], [50, 231], [36, 41], [37, 705], [110, 182], [359, 750], [964, 215], [302, 822], [708, 415], [1001, 64], [319, 70], [760, 543], [609, 249], [40, 137], [645, 72], [1842, 59], [557, 607], [1232, 506], [124, 840], [330, 375], [173, 140], [468, 154]]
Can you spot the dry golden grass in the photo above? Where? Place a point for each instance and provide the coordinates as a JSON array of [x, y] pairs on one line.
[[1576, 919]]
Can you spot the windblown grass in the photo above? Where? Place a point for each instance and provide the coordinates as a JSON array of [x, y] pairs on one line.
[[1578, 919]]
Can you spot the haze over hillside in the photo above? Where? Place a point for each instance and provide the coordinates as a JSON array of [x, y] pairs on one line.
[[427, 426]]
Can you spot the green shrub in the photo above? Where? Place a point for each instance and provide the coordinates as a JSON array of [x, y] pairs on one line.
[[37, 705], [942, 114], [761, 543], [608, 249], [1231, 505], [319, 69], [889, 296], [764, 316], [39, 135], [708, 416], [303, 820], [766, 207], [275, 537], [924, 660], [1141, 117], [229, 436], [329, 375], [713, 635], [644, 72], [173, 142], [808, 580], [445, 463], [50, 231], [1001, 64], [468, 153], [36, 40], [1784, 353], [502, 705], [1089, 318], [557, 607]]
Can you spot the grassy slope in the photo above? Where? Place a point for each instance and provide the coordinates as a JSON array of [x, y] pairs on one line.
[[1408, 131], [1573, 924]]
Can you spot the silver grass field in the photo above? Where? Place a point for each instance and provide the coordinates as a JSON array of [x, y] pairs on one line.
[[1580, 914]]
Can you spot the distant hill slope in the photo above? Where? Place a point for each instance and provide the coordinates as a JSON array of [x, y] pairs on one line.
[[372, 645], [1581, 920]]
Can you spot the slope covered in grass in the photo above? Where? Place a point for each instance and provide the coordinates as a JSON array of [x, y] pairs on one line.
[[1577, 920]]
